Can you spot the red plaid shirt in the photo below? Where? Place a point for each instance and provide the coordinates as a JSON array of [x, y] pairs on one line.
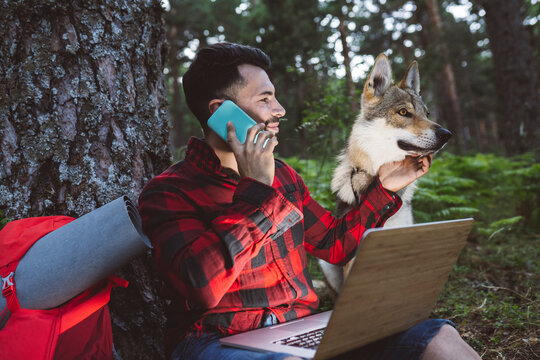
[[232, 250]]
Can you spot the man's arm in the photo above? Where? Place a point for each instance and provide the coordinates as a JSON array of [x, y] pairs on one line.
[[335, 240], [202, 258]]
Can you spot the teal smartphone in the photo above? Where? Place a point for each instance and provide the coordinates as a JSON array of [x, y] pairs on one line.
[[229, 111]]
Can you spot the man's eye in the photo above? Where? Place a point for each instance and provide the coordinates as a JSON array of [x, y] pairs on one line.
[[265, 100]]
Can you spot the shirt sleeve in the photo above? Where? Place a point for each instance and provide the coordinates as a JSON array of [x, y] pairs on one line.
[[335, 239], [200, 257]]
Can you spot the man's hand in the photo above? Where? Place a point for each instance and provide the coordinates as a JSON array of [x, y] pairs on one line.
[[396, 175], [254, 160]]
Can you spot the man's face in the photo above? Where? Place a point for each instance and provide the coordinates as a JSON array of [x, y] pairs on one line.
[[257, 97]]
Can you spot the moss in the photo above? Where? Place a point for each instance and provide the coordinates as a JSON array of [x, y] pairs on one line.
[[15, 200]]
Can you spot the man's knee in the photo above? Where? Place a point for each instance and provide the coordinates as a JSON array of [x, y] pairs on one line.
[[447, 344], [448, 332]]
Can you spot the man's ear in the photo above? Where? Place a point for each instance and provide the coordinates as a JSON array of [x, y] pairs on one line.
[[379, 78], [214, 104], [411, 78]]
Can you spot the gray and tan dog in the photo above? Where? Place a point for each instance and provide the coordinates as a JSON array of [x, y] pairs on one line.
[[393, 123]]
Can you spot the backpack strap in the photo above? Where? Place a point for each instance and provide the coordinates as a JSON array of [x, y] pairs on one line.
[[8, 287], [89, 302]]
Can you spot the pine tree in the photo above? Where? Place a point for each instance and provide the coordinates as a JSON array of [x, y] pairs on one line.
[[515, 76]]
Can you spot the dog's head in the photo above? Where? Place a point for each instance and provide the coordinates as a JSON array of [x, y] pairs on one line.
[[394, 120]]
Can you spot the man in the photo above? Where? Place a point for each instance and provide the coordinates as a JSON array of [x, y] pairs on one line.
[[231, 224]]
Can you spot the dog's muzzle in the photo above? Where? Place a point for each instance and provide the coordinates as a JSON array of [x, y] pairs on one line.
[[439, 139]]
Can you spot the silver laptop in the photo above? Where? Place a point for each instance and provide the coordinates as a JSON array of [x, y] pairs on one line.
[[393, 284]]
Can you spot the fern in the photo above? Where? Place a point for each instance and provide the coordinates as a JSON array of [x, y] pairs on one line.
[[456, 212], [500, 193]]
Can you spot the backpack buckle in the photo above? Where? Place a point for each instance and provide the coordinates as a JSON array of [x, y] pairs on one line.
[[8, 290], [7, 281]]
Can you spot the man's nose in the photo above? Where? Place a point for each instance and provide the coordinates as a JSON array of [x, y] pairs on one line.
[[278, 111]]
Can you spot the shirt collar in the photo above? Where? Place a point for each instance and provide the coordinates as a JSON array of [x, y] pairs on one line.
[[202, 156]]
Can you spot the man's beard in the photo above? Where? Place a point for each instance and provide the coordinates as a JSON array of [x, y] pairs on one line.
[[271, 121]]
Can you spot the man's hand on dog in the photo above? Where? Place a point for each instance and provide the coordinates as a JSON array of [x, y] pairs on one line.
[[255, 160], [396, 175]]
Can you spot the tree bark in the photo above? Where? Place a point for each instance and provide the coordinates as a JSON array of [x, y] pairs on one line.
[[515, 78], [453, 113], [83, 121]]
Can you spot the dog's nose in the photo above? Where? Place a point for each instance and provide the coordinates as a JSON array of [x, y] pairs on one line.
[[443, 135]]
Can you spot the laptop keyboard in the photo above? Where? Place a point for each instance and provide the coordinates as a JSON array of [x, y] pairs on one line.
[[307, 340]]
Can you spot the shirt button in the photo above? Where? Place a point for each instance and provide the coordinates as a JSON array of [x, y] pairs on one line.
[[387, 207]]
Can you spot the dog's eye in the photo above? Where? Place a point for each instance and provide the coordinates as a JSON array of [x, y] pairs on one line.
[[403, 112]]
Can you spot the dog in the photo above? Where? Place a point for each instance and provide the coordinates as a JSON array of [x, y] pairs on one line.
[[393, 124]]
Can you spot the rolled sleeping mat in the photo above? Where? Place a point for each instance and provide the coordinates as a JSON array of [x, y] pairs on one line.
[[76, 256]]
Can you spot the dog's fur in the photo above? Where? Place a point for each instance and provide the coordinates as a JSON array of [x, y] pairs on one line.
[[381, 135]]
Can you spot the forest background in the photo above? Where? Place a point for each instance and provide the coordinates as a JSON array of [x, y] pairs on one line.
[[92, 108]]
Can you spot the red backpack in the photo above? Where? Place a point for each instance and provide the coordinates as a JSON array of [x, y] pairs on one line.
[[77, 329]]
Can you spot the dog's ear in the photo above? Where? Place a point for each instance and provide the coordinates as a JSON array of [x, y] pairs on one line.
[[379, 78], [411, 78]]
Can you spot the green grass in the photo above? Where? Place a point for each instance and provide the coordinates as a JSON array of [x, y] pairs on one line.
[[493, 292], [493, 296]]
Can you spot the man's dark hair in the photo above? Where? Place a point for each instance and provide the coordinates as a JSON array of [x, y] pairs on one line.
[[214, 72]]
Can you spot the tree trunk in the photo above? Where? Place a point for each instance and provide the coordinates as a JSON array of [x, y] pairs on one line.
[[179, 134], [517, 94], [83, 121], [351, 90], [452, 115]]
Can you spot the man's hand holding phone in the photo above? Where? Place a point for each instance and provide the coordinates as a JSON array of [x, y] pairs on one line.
[[255, 158], [252, 147]]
